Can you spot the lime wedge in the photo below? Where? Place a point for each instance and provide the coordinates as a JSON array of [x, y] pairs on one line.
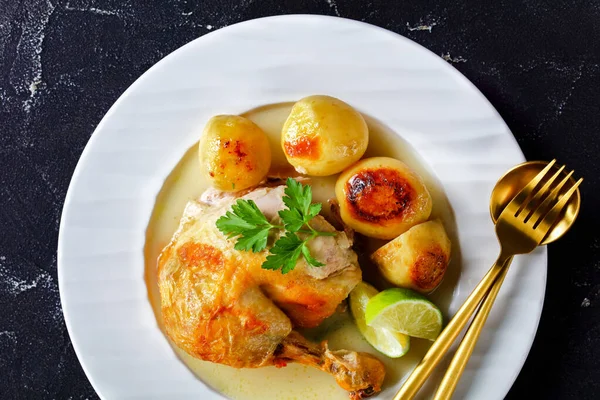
[[404, 311], [392, 344]]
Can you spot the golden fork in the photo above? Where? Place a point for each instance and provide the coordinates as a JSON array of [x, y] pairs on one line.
[[521, 227]]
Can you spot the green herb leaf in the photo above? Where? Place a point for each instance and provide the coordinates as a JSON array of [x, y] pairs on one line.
[[314, 210], [250, 211], [233, 225], [310, 260], [292, 219], [299, 208], [253, 239], [249, 223], [297, 196], [285, 253]]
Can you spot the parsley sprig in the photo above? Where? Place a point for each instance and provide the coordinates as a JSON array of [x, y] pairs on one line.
[[248, 224]]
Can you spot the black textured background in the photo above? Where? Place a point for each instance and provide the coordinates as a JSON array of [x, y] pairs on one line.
[[63, 63]]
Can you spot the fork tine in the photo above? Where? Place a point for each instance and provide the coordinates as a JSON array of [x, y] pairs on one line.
[[550, 199], [543, 227], [537, 196], [516, 203]]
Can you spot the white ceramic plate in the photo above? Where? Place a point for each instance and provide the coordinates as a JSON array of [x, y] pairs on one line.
[[455, 130]]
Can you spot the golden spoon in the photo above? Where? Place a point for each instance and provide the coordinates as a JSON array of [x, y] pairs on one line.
[[529, 210]]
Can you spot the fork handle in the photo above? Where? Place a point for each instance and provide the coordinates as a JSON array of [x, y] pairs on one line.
[[463, 353], [441, 345]]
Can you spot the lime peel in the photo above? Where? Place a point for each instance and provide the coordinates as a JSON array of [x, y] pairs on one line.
[[404, 311], [392, 344]]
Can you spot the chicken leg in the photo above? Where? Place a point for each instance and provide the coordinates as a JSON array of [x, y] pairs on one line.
[[360, 374], [219, 305]]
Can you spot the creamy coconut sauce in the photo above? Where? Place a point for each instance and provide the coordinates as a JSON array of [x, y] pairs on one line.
[[297, 381]]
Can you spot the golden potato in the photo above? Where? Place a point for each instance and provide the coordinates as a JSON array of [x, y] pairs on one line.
[[417, 259], [234, 153], [382, 197], [323, 135]]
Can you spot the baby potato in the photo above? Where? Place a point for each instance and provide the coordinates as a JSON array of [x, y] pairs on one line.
[[382, 197], [323, 135], [234, 153], [417, 259]]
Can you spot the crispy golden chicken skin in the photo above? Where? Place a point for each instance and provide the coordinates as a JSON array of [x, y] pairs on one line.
[[219, 305]]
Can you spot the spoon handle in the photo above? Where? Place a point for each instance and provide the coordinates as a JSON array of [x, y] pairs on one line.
[[441, 345], [463, 353]]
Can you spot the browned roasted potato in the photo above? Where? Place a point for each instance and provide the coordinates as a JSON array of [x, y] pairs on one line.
[[417, 259], [382, 197], [234, 153], [323, 135]]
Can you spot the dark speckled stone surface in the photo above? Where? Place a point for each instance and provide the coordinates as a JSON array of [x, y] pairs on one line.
[[63, 64]]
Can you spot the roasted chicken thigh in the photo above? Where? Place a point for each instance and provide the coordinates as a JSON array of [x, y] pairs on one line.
[[219, 305]]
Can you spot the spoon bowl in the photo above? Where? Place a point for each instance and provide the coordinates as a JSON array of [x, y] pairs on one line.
[[516, 179]]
